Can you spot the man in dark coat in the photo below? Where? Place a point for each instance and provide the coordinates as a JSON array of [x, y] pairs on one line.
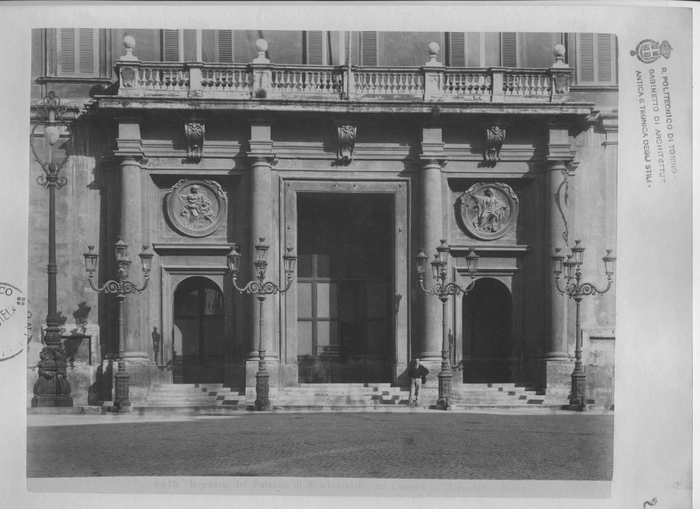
[[417, 374]]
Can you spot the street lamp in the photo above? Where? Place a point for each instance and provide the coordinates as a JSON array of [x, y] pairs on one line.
[[52, 389], [261, 289], [443, 291], [121, 287], [577, 290]]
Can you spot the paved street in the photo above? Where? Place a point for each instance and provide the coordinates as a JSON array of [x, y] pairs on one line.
[[429, 445]]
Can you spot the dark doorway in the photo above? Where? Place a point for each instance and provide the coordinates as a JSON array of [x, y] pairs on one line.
[[487, 329], [198, 332], [344, 330]]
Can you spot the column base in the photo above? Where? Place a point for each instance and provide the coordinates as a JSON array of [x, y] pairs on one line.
[[556, 380]]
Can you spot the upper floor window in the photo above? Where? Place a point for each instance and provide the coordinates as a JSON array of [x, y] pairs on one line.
[[77, 51], [596, 58], [507, 49]]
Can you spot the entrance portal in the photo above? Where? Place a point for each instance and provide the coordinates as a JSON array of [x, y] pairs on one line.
[[343, 287], [198, 332], [488, 333]]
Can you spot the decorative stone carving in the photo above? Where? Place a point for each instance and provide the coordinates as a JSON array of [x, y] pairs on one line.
[[346, 143], [494, 141], [489, 210], [195, 141], [197, 208], [128, 77]]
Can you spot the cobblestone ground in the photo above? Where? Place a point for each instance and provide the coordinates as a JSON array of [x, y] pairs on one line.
[[359, 445]]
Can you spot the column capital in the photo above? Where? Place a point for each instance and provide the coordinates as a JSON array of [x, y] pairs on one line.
[[262, 159], [432, 160], [130, 151]]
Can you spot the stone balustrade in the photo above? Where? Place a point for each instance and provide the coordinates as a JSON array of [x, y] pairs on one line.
[[268, 81]]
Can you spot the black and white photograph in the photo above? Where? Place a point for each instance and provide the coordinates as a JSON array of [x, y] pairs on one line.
[[315, 256]]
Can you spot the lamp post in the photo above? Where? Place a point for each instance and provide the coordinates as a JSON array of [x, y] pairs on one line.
[[443, 291], [52, 389], [576, 290], [261, 289], [121, 287]]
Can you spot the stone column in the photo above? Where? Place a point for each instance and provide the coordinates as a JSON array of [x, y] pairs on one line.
[[131, 231], [558, 364], [261, 225], [431, 231]]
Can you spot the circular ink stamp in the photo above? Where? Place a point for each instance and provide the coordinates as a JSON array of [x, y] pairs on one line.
[[13, 321]]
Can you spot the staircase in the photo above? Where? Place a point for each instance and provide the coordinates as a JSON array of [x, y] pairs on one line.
[[218, 398], [195, 395]]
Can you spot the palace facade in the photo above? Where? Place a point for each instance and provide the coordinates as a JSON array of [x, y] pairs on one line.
[[357, 150]]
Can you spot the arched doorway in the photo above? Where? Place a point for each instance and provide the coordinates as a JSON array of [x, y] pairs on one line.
[[487, 333], [198, 332]]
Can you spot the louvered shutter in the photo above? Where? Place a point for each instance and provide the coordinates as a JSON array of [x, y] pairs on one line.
[[369, 48], [66, 51], [586, 58], [225, 46], [509, 49], [86, 51], [458, 54], [171, 45], [605, 58], [314, 47], [77, 51]]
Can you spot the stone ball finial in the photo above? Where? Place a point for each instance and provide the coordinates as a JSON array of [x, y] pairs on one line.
[[129, 44], [559, 52], [261, 48], [261, 45], [433, 50]]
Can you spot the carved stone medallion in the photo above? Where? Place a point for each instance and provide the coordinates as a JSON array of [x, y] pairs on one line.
[[489, 210], [196, 208]]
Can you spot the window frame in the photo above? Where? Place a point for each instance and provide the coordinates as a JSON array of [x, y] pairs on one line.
[[97, 45], [574, 43]]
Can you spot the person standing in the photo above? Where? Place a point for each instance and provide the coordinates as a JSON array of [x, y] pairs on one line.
[[417, 374]]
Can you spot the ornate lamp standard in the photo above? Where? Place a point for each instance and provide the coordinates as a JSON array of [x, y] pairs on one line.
[[443, 291], [52, 389], [577, 290], [121, 287], [261, 289]]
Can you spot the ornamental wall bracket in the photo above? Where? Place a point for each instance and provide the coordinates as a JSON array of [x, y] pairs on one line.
[[495, 135], [196, 208], [488, 211], [194, 132], [346, 143]]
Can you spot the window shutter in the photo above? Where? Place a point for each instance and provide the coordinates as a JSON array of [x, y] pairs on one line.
[[586, 58], [605, 58], [458, 52], [66, 51], [314, 49], [171, 45], [225, 46], [509, 49], [86, 51], [369, 48]]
